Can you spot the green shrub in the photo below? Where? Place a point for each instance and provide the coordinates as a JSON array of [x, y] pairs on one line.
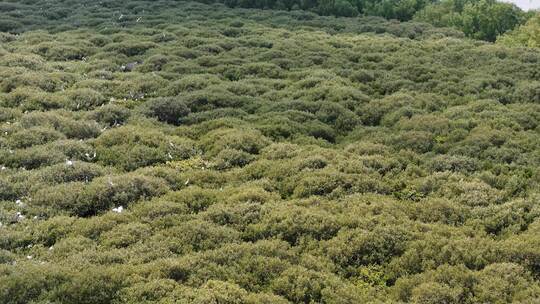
[[512, 278], [154, 290], [101, 285], [212, 98], [167, 109], [344, 8], [194, 198], [196, 235], [78, 171], [431, 292], [528, 92], [230, 158], [300, 285], [125, 235], [101, 194], [294, 224], [130, 48], [418, 141], [342, 119], [10, 26], [249, 141], [8, 191], [154, 63], [30, 99], [33, 136], [31, 158], [192, 83], [63, 122], [358, 247], [132, 147], [84, 99], [29, 61], [62, 51], [453, 163], [54, 231], [35, 278], [110, 115]]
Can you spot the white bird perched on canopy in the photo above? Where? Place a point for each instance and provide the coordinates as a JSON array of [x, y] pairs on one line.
[[118, 209]]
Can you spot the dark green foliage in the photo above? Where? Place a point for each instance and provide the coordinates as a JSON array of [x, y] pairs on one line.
[[167, 109], [10, 25], [110, 115], [249, 141], [130, 48], [101, 194], [525, 35], [483, 19], [84, 99], [132, 147], [180, 152]]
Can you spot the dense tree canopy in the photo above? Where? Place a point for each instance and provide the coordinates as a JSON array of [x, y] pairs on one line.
[[479, 19], [181, 152], [527, 35]]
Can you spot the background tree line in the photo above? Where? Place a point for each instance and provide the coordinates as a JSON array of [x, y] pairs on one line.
[[478, 19]]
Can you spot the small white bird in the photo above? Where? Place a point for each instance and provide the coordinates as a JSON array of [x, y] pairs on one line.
[[69, 162], [118, 209], [29, 257], [4, 168], [19, 202]]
